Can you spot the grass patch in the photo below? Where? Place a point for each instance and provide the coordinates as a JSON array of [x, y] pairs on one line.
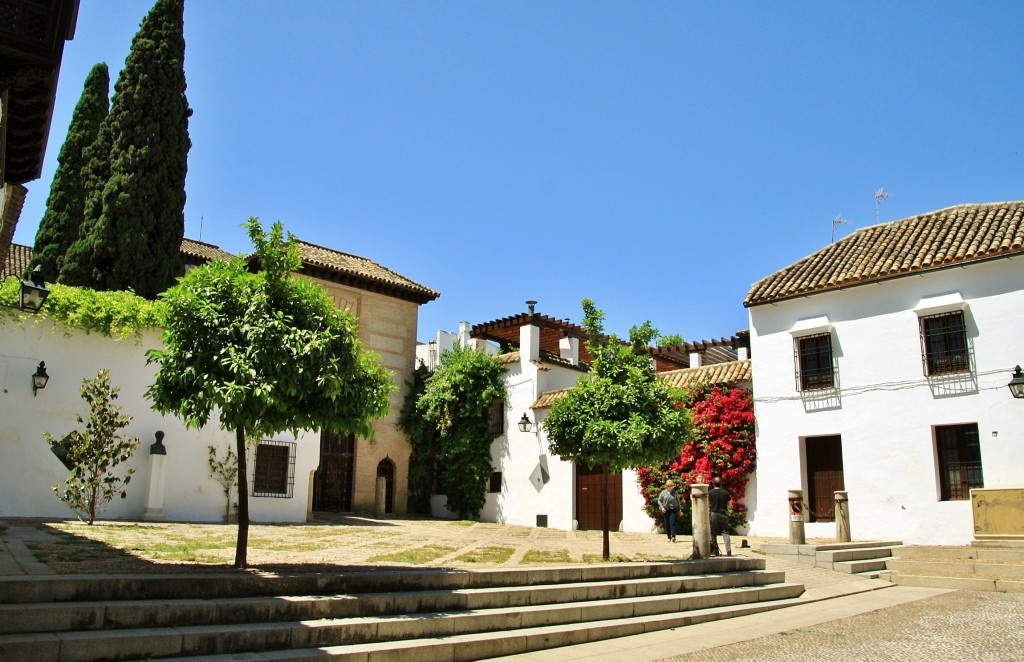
[[463, 522], [417, 556], [547, 556], [488, 555]]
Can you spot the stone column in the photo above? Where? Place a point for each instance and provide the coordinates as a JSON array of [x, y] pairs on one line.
[[701, 519], [380, 498], [796, 518], [155, 499], [842, 517]]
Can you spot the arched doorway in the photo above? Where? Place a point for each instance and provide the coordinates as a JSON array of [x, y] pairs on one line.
[[386, 470], [332, 481]]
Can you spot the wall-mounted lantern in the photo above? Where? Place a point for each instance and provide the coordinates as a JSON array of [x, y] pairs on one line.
[[33, 292], [1016, 384], [40, 378], [525, 424]]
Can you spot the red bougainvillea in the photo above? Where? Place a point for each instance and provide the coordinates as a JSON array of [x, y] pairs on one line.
[[721, 444]]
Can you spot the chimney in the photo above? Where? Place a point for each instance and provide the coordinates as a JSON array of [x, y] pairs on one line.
[[694, 359]]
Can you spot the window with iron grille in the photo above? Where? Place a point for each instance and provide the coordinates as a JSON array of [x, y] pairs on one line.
[[815, 365], [959, 453], [496, 418], [273, 473], [944, 344]]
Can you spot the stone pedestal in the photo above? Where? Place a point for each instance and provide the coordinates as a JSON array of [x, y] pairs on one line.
[[842, 517], [155, 499], [796, 518], [701, 518]]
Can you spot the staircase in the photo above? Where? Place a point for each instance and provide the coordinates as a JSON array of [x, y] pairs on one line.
[[867, 558], [372, 614], [975, 568]]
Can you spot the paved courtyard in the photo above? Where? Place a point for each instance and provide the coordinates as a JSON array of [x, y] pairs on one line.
[[849, 618]]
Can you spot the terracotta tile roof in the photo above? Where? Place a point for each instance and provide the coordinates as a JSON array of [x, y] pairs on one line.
[[198, 252], [360, 272], [952, 236], [734, 373], [17, 261]]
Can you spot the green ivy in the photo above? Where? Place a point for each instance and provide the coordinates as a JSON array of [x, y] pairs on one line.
[[119, 315]]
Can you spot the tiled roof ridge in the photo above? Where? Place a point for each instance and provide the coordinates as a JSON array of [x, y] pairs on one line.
[[200, 241], [954, 235], [398, 280]]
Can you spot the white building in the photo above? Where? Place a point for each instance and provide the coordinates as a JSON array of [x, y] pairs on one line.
[[882, 366], [531, 487]]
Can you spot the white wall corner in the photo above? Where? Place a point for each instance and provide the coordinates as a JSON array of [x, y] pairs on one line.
[[464, 339], [569, 349], [529, 344]]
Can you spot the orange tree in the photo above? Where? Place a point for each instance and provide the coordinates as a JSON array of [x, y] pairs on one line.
[[721, 443]]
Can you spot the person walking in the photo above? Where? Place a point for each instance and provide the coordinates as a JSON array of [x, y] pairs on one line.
[[718, 501], [669, 502]]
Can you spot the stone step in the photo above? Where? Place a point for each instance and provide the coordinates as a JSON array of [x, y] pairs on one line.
[[79, 588], [957, 567], [787, 549], [96, 615], [861, 566], [826, 558], [1013, 555], [495, 644], [206, 640], [956, 583]]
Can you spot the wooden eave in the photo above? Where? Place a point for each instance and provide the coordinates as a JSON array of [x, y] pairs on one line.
[[505, 332], [366, 283]]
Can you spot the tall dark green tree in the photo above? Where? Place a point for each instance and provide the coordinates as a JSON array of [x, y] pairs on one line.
[[65, 208], [134, 224]]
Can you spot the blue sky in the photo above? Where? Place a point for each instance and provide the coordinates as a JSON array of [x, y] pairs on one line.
[[657, 157]]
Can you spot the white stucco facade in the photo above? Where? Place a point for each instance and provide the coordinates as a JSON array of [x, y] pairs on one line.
[[538, 488], [885, 409], [28, 469]]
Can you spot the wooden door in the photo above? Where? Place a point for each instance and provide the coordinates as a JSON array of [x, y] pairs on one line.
[[332, 481], [824, 476], [589, 495]]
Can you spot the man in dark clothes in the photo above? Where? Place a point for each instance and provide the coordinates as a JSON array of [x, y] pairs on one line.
[[718, 501]]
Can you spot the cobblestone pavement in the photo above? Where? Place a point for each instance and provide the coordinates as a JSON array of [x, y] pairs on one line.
[[960, 625]]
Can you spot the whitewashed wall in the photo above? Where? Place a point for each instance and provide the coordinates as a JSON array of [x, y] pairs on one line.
[[888, 409], [28, 469]]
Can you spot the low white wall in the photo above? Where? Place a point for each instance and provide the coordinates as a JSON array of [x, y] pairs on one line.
[[28, 469]]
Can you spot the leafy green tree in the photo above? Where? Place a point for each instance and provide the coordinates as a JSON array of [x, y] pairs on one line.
[[134, 223], [93, 455], [671, 340], [425, 460], [264, 352], [65, 208], [456, 404], [620, 415]]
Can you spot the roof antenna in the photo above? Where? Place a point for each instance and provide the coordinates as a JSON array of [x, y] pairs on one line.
[[880, 195], [838, 220], [531, 304]]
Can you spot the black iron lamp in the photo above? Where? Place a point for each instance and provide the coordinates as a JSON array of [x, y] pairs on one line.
[[40, 378], [33, 292], [1016, 384], [525, 424]]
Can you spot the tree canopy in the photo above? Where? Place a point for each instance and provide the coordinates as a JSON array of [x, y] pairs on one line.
[[620, 415], [264, 352], [134, 214], [65, 207]]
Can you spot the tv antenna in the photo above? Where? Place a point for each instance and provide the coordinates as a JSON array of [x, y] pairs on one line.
[[838, 220], [880, 195]]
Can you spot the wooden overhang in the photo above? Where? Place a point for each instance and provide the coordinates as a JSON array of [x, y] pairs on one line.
[[505, 332], [712, 351], [32, 36]]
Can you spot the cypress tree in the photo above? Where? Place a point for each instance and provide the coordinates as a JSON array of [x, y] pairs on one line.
[[134, 224], [65, 208]]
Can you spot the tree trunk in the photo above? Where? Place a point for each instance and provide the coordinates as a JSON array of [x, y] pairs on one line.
[[606, 549], [242, 543]]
